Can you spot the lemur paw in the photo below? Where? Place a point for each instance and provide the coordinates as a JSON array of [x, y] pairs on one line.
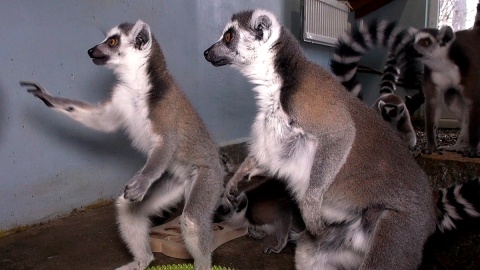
[[470, 152], [431, 150], [231, 192], [136, 189], [38, 91]]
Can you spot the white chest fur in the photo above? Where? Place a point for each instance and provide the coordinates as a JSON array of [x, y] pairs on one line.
[[445, 74], [132, 107], [283, 149]]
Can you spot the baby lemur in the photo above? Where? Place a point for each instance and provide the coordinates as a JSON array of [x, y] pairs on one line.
[[183, 163], [363, 207], [270, 210]]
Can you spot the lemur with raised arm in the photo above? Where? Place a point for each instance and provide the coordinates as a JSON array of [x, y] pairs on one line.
[[363, 207], [348, 51], [183, 162]]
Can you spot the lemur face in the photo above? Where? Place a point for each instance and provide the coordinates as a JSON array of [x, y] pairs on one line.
[[390, 112], [432, 43], [123, 44], [245, 39]]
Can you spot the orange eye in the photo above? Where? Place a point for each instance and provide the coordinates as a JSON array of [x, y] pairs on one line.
[[227, 37], [425, 42], [112, 42]]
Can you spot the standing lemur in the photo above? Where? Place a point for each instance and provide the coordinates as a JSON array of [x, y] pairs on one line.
[[347, 54], [183, 162], [451, 78], [363, 207]]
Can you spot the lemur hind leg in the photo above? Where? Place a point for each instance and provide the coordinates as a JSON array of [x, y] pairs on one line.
[[134, 222], [196, 222]]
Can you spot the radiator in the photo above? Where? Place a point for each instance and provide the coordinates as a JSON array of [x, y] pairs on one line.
[[324, 21]]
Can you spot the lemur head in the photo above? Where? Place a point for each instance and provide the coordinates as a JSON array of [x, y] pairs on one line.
[[124, 45], [432, 43], [246, 40], [391, 112]]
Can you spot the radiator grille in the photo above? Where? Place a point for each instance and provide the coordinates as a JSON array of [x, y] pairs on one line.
[[324, 21]]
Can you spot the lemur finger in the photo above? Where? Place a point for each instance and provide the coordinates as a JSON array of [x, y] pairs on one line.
[[32, 84], [42, 96]]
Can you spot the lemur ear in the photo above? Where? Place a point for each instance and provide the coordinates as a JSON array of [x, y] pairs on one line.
[[401, 108], [412, 30], [141, 35], [380, 105], [445, 35], [262, 26]]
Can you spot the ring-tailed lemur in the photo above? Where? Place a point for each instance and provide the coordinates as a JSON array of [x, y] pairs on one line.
[[316, 136], [264, 206], [347, 54], [183, 162], [452, 78]]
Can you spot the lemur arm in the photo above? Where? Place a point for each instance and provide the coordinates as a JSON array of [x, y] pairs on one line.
[[153, 169], [332, 151], [100, 117], [248, 167]]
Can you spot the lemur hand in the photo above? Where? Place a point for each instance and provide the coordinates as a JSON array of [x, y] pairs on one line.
[[39, 92], [136, 188]]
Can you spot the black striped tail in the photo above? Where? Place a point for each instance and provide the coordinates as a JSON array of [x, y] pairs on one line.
[[456, 203], [363, 37]]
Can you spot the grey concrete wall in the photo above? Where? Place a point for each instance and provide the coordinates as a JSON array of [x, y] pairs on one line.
[[50, 165]]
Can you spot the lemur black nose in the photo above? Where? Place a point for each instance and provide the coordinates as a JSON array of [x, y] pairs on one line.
[[90, 52], [205, 54]]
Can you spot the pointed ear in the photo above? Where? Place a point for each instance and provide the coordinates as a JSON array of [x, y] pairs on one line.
[[261, 25], [141, 35], [445, 35], [401, 108], [380, 104], [412, 30]]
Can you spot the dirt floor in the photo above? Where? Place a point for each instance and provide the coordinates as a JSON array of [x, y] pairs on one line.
[[89, 240]]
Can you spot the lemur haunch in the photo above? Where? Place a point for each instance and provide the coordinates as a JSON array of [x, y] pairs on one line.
[[451, 78], [183, 162], [363, 207], [347, 54]]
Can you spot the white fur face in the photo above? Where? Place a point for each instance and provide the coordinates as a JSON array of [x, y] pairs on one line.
[[433, 46], [246, 43], [125, 48], [391, 112]]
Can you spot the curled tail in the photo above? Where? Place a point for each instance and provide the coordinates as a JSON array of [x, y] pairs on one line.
[[351, 47], [456, 203]]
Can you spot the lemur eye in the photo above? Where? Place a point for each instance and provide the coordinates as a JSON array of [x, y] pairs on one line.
[[112, 42], [228, 37], [425, 42]]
